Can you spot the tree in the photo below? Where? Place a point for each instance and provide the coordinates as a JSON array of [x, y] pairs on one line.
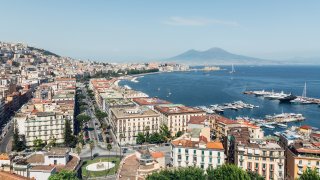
[[165, 133], [64, 174], [91, 145], [179, 133], [100, 115], [109, 147], [38, 144], [78, 149], [82, 118], [227, 171], [155, 138], [69, 139], [140, 138], [190, 173], [17, 145], [255, 176], [309, 174]]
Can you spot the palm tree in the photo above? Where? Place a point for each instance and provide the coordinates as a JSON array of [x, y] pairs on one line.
[[91, 144], [120, 137], [78, 149], [109, 147]]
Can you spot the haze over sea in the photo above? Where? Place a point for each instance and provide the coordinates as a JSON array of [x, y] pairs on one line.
[[197, 88]]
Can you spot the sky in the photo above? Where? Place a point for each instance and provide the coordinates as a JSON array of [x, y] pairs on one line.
[[117, 30]]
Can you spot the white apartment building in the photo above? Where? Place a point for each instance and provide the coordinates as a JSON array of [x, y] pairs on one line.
[[202, 154], [128, 122], [177, 116], [45, 126]]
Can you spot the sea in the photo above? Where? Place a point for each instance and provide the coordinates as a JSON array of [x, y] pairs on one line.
[[205, 88]]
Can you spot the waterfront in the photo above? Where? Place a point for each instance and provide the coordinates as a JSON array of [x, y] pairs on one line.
[[197, 88]]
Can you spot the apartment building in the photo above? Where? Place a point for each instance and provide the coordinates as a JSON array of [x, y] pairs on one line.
[[200, 153], [45, 126], [177, 116], [264, 157], [128, 122]]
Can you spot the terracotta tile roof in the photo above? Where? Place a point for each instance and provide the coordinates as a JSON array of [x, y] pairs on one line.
[[197, 119], [184, 143], [9, 176], [215, 145], [150, 101], [225, 120], [42, 168], [4, 157], [156, 155], [306, 127], [36, 158], [203, 139]]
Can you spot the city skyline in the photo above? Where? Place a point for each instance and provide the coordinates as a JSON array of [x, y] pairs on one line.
[[120, 31]]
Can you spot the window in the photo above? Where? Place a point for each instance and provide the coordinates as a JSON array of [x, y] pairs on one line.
[[256, 158], [300, 162], [179, 150], [210, 159], [271, 166], [186, 151], [179, 157], [218, 160], [187, 158], [264, 153], [202, 152], [210, 153], [55, 162], [263, 166], [218, 154], [202, 159], [202, 166], [194, 152], [271, 153], [257, 165], [249, 157]]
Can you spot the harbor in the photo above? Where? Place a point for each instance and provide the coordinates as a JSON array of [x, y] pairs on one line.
[[285, 97], [236, 105]]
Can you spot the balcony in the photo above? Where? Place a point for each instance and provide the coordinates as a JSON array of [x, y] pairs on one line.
[[280, 163], [300, 172], [241, 160], [300, 165]]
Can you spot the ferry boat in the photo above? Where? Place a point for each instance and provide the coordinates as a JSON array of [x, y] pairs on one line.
[[261, 93], [276, 95]]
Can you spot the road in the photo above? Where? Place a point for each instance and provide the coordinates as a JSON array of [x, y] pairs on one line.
[[5, 141]]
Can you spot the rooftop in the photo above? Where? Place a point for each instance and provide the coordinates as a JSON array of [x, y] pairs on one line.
[[133, 112], [170, 109], [42, 168], [150, 101], [58, 151]]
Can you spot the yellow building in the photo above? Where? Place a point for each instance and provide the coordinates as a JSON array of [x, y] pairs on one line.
[[300, 156]]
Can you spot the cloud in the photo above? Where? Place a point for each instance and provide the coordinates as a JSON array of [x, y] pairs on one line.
[[181, 21]]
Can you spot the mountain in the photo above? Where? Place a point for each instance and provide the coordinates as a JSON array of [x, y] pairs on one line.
[[216, 56]]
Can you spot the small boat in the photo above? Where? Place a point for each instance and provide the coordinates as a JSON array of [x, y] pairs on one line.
[[277, 133], [268, 126], [282, 125]]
